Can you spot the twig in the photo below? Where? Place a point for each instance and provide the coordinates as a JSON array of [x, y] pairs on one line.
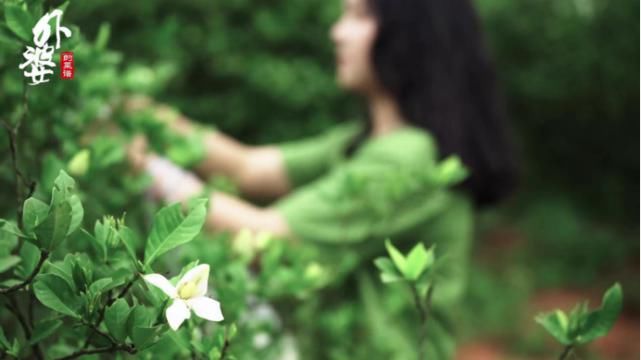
[[226, 343], [566, 352], [15, 309], [111, 348], [12, 132], [101, 314], [100, 332], [43, 257], [423, 317]]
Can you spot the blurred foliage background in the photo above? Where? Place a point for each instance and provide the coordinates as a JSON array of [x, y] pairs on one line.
[[262, 71]]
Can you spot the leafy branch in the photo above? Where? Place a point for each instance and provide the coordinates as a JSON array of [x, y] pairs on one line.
[[44, 255], [582, 326], [101, 313], [21, 180], [415, 270]]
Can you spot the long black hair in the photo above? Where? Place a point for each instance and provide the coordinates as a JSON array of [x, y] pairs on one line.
[[432, 57]]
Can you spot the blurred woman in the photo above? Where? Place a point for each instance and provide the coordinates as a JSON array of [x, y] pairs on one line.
[[423, 69]]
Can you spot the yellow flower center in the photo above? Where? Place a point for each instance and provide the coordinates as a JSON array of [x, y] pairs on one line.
[[187, 291]]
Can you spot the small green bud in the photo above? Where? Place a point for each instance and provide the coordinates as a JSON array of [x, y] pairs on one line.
[[79, 163]]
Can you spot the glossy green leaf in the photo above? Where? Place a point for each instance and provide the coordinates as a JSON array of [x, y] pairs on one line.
[[398, 258], [556, 323], [19, 21], [77, 214], [103, 36], [53, 230], [116, 316], [11, 228], [171, 229], [599, 322], [389, 273], [30, 255], [418, 260], [4, 342], [54, 292], [44, 329], [128, 238], [34, 212], [8, 262]]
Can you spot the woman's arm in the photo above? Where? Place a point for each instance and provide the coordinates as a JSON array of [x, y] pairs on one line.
[[258, 171], [228, 213]]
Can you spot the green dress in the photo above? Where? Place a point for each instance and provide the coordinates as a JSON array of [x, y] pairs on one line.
[[393, 187]]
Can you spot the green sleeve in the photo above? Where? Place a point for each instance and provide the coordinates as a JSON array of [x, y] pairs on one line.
[[306, 159], [372, 196]]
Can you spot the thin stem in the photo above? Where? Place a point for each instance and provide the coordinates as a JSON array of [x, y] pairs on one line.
[[101, 314], [106, 349], [15, 309], [100, 332], [12, 132], [43, 257], [423, 317], [226, 343], [566, 352]]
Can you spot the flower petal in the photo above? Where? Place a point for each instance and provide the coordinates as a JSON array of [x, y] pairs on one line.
[[206, 308], [162, 283], [176, 313], [194, 282]]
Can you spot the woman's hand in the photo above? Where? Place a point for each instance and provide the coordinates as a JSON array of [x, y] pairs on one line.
[[138, 153]]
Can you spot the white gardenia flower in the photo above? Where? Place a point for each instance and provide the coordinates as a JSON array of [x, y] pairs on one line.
[[189, 294]]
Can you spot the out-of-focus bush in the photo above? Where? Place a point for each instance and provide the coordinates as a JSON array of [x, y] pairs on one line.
[[263, 71]]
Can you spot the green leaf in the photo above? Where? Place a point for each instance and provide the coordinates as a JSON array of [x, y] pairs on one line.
[[79, 163], [8, 42], [35, 211], [11, 228], [139, 326], [77, 213], [171, 229], [418, 260], [577, 318], [389, 278], [556, 324], [102, 232], [398, 258], [63, 187], [100, 286], [128, 238], [389, 273], [64, 6], [80, 280], [54, 292], [19, 21], [451, 170], [15, 348], [103, 36], [599, 322], [64, 270], [116, 317], [385, 265], [186, 151], [44, 329], [143, 336], [35, 8], [30, 255], [51, 232], [8, 262], [4, 342]]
